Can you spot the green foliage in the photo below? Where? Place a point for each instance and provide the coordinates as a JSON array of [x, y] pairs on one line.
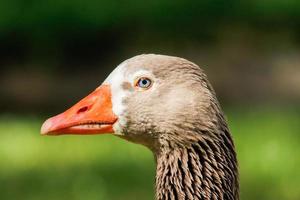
[[36, 16], [106, 167]]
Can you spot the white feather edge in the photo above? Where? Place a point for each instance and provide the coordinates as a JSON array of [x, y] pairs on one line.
[[115, 80]]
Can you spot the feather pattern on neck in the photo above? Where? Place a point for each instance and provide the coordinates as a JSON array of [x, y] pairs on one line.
[[204, 170]]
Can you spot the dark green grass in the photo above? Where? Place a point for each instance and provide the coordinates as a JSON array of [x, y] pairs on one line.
[[106, 167]]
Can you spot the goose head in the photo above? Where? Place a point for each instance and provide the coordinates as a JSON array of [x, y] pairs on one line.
[[155, 100], [167, 104]]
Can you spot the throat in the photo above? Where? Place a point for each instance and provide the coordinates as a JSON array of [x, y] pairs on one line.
[[204, 170]]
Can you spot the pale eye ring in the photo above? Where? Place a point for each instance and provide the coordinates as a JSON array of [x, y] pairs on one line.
[[143, 82]]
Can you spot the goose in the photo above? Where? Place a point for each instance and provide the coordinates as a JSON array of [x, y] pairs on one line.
[[167, 104]]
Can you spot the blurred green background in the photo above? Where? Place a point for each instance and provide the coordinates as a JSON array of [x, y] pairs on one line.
[[53, 53]]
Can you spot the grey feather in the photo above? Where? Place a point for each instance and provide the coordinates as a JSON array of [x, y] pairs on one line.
[[183, 124]]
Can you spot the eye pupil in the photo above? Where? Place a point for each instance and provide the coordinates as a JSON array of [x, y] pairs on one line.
[[145, 81]]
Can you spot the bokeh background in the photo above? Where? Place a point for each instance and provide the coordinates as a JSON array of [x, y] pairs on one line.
[[53, 53]]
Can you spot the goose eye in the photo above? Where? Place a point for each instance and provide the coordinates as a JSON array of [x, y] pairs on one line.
[[143, 83]]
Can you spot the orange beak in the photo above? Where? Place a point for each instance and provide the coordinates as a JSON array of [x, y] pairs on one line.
[[91, 115]]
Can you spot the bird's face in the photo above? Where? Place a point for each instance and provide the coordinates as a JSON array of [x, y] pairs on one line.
[[141, 100]]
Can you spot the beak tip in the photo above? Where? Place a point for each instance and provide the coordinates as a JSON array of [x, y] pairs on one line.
[[46, 127]]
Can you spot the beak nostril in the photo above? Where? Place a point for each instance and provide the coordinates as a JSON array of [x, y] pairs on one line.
[[83, 109]]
